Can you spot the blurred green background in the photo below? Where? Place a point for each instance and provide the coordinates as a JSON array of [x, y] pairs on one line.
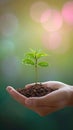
[[36, 24]]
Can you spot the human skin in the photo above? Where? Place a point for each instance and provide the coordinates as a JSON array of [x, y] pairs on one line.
[[58, 99]]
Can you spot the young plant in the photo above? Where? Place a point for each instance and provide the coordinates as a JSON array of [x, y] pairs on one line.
[[32, 58]]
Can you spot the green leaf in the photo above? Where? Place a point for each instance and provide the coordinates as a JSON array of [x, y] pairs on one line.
[[43, 64], [28, 61], [33, 51], [35, 54], [41, 54], [30, 55]]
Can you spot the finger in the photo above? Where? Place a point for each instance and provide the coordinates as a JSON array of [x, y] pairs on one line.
[[58, 98], [16, 95], [54, 84]]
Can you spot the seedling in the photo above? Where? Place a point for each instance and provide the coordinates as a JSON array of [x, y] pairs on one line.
[[38, 89], [33, 58]]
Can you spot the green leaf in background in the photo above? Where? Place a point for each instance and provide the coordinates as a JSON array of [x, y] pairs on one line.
[[27, 61], [43, 64]]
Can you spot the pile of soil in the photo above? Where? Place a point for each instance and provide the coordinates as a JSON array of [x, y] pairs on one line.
[[36, 90]]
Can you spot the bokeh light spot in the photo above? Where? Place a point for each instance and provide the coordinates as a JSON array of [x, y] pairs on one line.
[[11, 68], [52, 40], [45, 16], [3, 1], [56, 42], [37, 9], [67, 12], [8, 24], [6, 48], [52, 20]]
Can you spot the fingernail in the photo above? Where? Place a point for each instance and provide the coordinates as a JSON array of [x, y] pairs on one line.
[[28, 102], [9, 89]]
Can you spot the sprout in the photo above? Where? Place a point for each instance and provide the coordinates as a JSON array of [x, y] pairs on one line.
[[32, 58]]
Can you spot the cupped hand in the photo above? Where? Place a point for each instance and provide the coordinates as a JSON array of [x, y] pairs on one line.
[[58, 99]]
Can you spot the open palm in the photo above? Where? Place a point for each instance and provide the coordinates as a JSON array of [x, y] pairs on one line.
[[46, 104]]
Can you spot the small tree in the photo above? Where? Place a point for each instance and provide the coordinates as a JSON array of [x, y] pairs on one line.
[[32, 58]]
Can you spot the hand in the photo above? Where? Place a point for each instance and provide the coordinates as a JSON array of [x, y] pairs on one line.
[[58, 99]]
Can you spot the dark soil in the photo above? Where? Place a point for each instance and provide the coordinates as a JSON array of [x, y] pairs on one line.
[[36, 90]]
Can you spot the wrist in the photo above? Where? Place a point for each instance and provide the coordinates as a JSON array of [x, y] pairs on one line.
[[71, 96]]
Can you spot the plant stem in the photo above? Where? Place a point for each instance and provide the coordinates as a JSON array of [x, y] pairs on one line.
[[36, 71]]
